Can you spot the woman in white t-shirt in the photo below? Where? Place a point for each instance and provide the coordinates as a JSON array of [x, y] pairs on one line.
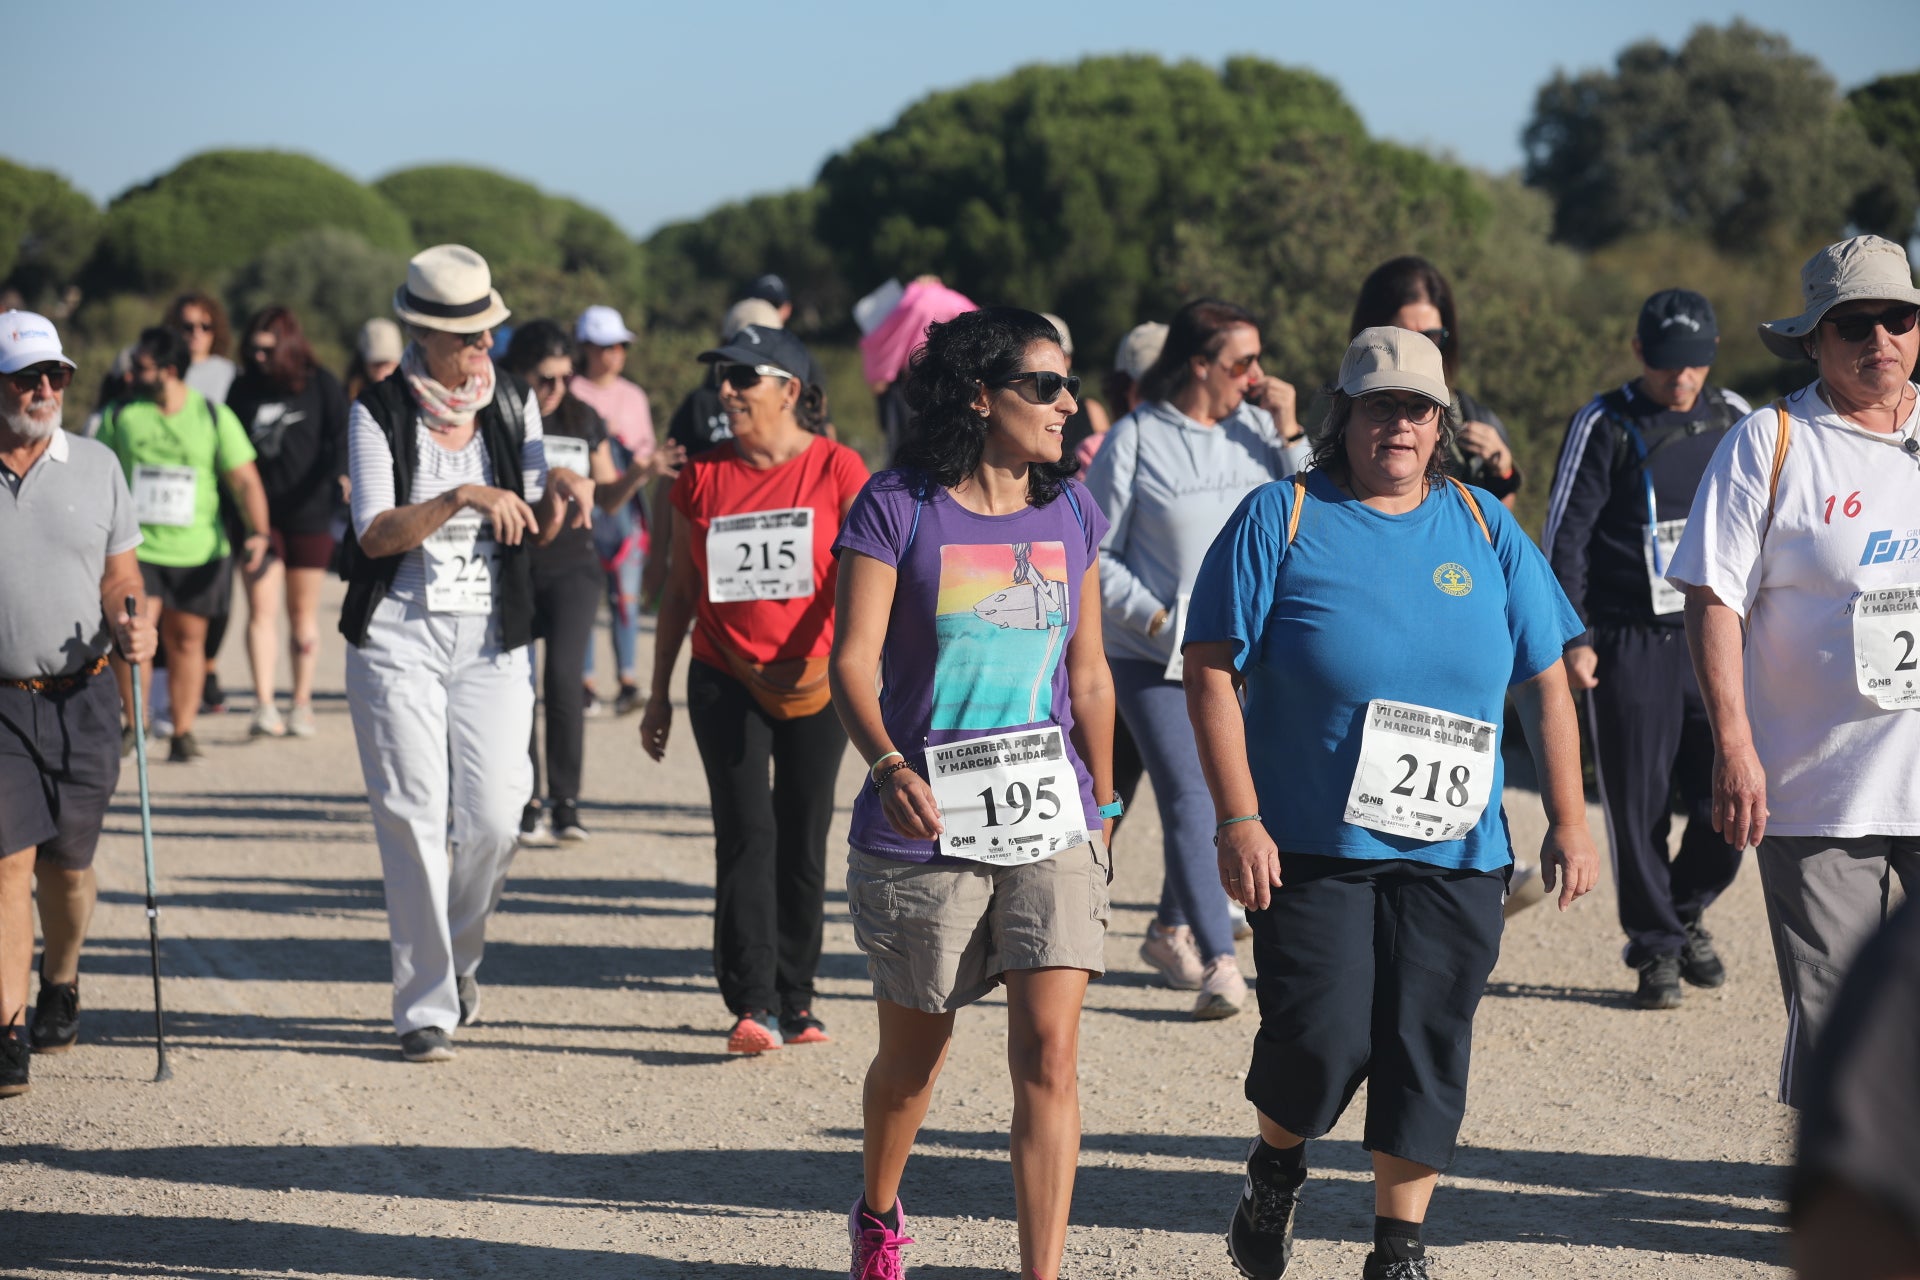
[[1801, 564]]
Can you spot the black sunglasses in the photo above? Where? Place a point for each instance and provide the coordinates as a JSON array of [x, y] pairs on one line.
[[27, 381], [1438, 337], [1047, 384], [1856, 327], [743, 376]]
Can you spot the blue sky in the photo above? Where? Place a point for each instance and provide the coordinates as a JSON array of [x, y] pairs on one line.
[[657, 112]]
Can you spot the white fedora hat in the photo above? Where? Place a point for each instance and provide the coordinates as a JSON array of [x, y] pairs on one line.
[[1863, 267], [449, 287]]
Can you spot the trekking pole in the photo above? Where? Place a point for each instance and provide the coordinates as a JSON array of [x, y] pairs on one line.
[[163, 1072]]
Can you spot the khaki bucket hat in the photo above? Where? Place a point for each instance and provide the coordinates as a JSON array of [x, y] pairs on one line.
[[1863, 267]]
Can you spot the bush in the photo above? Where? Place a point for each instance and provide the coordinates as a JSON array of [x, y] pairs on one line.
[[333, 280], [222, 209], [47, 230]]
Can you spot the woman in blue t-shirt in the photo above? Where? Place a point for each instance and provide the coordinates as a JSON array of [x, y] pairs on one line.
[[970, 582], [1374, 612]]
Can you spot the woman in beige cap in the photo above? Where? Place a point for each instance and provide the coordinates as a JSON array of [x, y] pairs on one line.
[[450, 486], [1376, 613], [1801, 564]]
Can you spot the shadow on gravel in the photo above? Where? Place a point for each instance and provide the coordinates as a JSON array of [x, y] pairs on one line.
[[1641, 1203], [118, 1245], [1605, 997]]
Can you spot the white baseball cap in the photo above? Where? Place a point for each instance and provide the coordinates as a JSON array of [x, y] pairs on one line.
[[28, 339], [1387, 358], [601, 326]]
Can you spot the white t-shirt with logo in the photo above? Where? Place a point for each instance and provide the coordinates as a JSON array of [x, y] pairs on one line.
[[1846, 521]]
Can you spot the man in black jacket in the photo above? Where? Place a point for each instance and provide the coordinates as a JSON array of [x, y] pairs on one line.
[[1621, 492]]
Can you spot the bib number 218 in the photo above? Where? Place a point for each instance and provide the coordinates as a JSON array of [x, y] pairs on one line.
[[1459, 778]]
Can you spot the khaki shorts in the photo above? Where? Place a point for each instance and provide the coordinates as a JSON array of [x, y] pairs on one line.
[[939, 936]]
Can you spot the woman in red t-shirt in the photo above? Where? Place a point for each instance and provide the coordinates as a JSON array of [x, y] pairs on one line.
[[754, 523]]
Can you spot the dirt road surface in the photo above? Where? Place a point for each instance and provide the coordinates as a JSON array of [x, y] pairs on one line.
[[593, 1124]]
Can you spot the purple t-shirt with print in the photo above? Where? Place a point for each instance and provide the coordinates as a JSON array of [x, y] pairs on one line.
[[983, 610]]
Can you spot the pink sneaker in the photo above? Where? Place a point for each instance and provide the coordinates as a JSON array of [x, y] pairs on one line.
[[876, 1246]]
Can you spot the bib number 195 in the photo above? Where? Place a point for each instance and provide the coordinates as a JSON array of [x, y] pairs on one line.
[[1019, 797]]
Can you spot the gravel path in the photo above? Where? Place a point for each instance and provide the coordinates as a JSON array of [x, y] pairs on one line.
[[594, 1126]]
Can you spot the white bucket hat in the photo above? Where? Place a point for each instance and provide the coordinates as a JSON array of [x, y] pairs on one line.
[[449, 288], [1863, 267]]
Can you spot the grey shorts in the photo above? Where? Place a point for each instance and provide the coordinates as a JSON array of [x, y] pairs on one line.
[[59, 764], [939, 936]]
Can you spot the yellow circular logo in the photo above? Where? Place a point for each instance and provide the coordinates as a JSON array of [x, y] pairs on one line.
[[1453, 579]]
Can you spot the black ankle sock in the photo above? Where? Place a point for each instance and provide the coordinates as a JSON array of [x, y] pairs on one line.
[[891, 1217], [1281, 1164], [1397, 1240]]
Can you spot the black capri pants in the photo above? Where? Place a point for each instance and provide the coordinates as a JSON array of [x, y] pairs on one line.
[[1372, 971]]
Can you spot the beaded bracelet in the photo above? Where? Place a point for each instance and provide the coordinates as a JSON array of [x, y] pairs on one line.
[[883, 759], [880, 779]]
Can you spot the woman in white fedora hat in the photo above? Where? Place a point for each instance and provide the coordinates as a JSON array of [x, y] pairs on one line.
[[450, 486], [1801, 564]]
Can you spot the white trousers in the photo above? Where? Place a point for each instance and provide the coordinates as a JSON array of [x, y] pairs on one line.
[[442, 715]]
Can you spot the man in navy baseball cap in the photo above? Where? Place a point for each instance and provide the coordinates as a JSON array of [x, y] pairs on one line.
[[771, 288], [1676, 331]]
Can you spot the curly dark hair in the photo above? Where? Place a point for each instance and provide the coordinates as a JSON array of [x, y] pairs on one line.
[[1330, 441], [535, 341], [945, 437]]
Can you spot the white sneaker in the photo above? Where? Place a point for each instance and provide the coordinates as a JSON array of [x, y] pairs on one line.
[[1524, 889], [1223, 992], [266, 722], [536, 829], [300, 722], [1173, 954], [1238, 914]]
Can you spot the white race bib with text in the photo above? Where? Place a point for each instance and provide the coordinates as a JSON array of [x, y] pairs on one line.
[[1008, 798], [1423, 774], [1177, 664], [568, 453], [462, 559], [1658, 543], [761, 555], [1886, 646], [165, 495]]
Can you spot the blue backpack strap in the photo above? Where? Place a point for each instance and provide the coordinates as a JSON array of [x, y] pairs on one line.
[[913, 532], [1066, 487]]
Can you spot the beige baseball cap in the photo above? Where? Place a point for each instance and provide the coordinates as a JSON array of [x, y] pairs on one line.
[[1139, 349], [1392, 359], [1863, 267]]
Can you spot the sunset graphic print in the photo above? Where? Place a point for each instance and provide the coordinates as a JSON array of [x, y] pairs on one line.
[[1001, 620]]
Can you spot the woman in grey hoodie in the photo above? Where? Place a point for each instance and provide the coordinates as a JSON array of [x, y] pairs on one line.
[[1212, 427]]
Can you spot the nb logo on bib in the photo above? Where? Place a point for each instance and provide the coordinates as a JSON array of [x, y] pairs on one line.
[[1453, 579]]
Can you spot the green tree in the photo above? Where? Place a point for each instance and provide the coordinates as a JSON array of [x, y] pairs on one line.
[[1733, 136], [333, 280], [696, 268], [1060, 186], [221, 209], [516, 226], [47, 229], [1889, 109]]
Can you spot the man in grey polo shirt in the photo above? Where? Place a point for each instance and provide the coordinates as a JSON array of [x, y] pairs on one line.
[[67, 566]]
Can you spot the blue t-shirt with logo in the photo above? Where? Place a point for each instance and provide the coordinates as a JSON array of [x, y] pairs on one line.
[[1416, 608]]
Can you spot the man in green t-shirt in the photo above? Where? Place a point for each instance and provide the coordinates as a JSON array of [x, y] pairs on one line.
[[176, 447]]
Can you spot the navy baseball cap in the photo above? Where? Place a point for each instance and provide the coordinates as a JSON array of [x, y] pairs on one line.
[[757, 344], [769, 288], [1677, 330]]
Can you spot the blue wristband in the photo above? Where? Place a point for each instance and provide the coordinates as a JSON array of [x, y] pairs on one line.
[[1113, 810]]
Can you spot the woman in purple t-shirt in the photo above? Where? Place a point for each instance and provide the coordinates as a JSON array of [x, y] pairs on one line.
[[970, 582]]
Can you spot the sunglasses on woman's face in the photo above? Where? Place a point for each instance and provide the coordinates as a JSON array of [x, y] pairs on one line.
[[1438, 337], [1238, 369], [1856, 327], [741, 377], [27, 381], [1384, 409], [1047, 385], [548, 382], [260, 351], [196, 326]]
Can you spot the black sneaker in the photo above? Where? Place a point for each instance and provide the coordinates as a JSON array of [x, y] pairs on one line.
[[535, 831], [629, 699], [15, 1055], [1659, 984], [56, 1018], [1260, 1237], [803, 1028], [566, 822], [213, 699], [1379, 1268], [184, 750], [428, 1044], [469, 989], [1699, 962], [127, 743]]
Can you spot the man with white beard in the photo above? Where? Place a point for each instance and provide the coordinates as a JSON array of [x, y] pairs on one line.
[[67, 568]]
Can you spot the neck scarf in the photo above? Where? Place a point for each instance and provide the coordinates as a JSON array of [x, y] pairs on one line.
[[442, 408]]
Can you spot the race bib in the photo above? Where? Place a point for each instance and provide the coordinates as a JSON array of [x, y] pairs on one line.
[[1658, 543], [1177, 664], [462, 559], [568, 453], [761, 555], [1423, 774], [165, 495], [1886, 646], [1009, 798]]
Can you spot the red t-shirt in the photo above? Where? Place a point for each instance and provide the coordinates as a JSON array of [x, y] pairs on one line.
[[718, 485]]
